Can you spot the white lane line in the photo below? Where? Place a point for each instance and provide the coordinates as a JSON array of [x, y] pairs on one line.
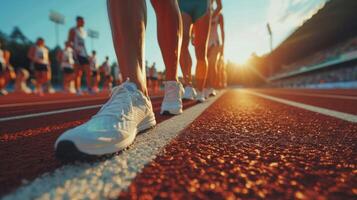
[[318, 95], [59, 101], [51, 102], [106, 179], [324, 111], [4, 119]]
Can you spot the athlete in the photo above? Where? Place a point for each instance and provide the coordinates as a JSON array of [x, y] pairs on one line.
[[106, 69], [215, 51], [118, 79], [196, 14], [77, 37], [154, 78], [147, 73], [38, 55], [94, 67], [66, 60], [129, 109], [3, 69]]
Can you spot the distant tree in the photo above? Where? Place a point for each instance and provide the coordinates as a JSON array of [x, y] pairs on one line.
[[18, 36]]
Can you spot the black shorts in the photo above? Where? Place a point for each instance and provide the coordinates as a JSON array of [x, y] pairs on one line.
[[67, 70], [2, 68], [82, 60], [94, 73], [40, 67]]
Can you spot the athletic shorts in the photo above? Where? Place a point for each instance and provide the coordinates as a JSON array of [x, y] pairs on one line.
[[67, 70], [2, 68], [194, 8], [40, 67], [94, 73], [81, 60]]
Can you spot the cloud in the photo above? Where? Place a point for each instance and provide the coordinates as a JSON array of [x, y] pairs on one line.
[[287, 11], [285, 16]]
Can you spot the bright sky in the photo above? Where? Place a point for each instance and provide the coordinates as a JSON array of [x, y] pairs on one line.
[[245, 23]]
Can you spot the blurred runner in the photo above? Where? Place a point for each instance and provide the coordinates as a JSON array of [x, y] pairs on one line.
[[66, 60], [6, 71], [118, 79], [106, 69], [93, 64], [129, 109], [196, 14], [77, 37], [147, 73], [22, 75], [154, 78], [38, 55], [215, 51]]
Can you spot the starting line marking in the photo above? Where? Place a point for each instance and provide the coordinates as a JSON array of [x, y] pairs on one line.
[[324, 111], [106, 179]]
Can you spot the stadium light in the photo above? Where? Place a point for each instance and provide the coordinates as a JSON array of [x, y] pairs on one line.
[[93, 34], [57, 19], [270, 36]]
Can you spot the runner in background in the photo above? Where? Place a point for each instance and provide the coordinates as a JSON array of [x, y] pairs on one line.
[[38, 55], [118, 79], [196, 14], [66, 60], [154, 79], [94, 67], [106, 70], [215, 51], [77, 36], [147, 73], [3, 72]]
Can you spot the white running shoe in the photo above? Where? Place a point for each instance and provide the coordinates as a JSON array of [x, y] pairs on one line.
[[209, 92], [200, 97], [172, 103], [3, 92], [190, 93], [112, 129]]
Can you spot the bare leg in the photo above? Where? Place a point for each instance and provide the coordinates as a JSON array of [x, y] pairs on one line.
[[128, 23], [185, 59], [169, 32], [202, 27], [88, 76], [213, 57], [78, 77]]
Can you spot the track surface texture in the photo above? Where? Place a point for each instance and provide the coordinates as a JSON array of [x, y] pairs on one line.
[[247, 147], [27, 145], [243, 146]]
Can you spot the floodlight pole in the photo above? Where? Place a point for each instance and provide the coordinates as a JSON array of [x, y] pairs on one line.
[[270, 33], [93, 34], [57, 33], [57, 19]]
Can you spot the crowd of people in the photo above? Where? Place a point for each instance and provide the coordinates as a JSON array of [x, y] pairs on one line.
[[323, 56], [343, 74], [72, 63]]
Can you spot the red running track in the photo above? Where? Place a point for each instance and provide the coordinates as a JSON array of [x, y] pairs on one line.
[[26, 145], [243, 146]]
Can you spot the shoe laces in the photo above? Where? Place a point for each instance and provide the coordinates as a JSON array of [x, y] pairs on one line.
[[118, 105], [172, 91]]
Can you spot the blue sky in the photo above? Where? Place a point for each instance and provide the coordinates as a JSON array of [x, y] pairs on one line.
[[245, 23]]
